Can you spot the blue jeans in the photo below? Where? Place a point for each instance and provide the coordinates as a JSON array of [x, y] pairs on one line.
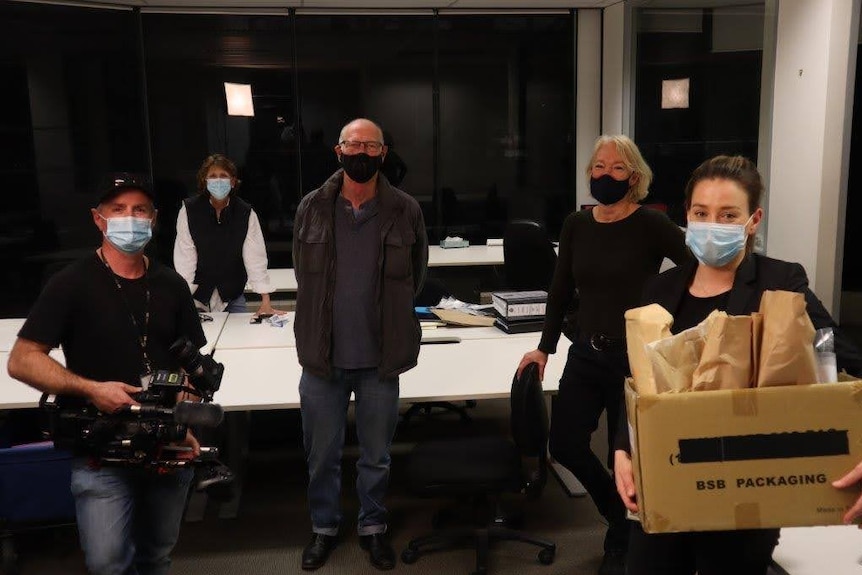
[[323, 403], [128, 519], [237, 305]]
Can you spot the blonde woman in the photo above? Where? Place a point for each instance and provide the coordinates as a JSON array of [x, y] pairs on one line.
[[607, 253]]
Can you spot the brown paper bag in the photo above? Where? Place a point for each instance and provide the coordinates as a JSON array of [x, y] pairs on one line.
[[675, 358], [726, 359], [756, 340], [787, 348], [645, 325]]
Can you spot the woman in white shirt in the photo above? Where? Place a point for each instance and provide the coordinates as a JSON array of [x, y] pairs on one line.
[[219, 246]]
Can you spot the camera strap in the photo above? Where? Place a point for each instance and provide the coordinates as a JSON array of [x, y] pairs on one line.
[[142, 333]]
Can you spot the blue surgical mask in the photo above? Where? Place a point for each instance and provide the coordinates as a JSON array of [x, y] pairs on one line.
[[716, 245], [128, 233], [218, 187]]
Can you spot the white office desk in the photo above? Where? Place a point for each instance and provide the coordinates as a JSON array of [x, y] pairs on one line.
[[17, 395], [212, 329], [478, 255], [262, 371], [480, 332], [267, 376], [261, 374], [238, 333], [835, 550], [284, 279], [9, 332]]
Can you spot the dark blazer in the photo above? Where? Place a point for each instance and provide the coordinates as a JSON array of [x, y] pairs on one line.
[[754, 276]]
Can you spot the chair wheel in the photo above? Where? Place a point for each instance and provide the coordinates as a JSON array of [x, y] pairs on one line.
[[409, 556], [546, 556]]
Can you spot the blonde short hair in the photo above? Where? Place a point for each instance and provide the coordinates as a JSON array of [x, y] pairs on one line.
[[632, 159]]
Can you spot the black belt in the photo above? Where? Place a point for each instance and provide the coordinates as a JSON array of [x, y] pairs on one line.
[[601, 342]]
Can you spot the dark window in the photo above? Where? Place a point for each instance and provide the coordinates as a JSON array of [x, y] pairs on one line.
[[477, 110], [506, 121], [72, 106], [851, 278], [189, 58], [379, 67], [719, 51]]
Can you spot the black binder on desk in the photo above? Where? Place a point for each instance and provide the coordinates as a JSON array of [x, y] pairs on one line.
[[520, 305], [525, 326]]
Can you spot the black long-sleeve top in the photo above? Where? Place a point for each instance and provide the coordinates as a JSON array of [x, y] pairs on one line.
[[606, 266]]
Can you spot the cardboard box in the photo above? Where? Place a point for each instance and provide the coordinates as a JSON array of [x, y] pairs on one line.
[[746, 458]]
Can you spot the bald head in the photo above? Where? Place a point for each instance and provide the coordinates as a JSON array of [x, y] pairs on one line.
[[363, 125]]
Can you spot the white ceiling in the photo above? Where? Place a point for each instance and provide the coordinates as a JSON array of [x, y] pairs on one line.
[[252, 5]]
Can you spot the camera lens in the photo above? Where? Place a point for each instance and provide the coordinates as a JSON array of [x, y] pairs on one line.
[[188, 355], [204, 372]]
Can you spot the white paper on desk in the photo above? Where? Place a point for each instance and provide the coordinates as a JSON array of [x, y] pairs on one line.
[[456, 304], [278, 320]]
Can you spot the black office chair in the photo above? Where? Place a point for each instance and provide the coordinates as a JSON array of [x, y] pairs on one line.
[[529, 263], [483, 469], [432, 292], [529, 256]]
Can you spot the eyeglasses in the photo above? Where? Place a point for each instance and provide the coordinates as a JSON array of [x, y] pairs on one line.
[[204, 317], [353, 146]]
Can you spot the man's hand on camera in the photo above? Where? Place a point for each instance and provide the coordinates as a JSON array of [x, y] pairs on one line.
[[111, 396], [192, 442]]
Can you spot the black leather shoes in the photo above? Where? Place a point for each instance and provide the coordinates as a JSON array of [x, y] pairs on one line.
[[317, 551], [379, 550]]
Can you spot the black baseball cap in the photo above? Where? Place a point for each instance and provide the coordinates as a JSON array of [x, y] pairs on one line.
[[116, 182]]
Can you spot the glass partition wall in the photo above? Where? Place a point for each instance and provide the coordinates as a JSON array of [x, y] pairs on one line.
[[72, 109], [697, 90], [478, 109]]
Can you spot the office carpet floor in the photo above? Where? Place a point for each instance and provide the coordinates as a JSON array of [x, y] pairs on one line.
[[273, 526]]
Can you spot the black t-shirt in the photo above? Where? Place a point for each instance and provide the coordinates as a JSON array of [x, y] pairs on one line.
[[608, 264], [82, 310], [693, 310]]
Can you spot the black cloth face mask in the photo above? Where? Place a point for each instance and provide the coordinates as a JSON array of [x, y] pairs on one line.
[[360, 167], [608, 190]]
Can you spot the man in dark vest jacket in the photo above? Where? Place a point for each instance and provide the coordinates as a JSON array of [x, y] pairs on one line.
[[360, 253]]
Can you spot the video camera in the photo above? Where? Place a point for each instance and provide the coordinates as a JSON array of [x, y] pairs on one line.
[[141, 435]]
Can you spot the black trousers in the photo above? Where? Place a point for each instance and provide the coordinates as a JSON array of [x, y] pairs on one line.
[[744, 552], [592, 382]]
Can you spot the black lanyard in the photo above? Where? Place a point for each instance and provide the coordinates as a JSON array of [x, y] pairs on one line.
[[142, 333]]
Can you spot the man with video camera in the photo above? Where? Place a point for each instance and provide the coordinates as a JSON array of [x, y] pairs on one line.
[[116, 314]]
